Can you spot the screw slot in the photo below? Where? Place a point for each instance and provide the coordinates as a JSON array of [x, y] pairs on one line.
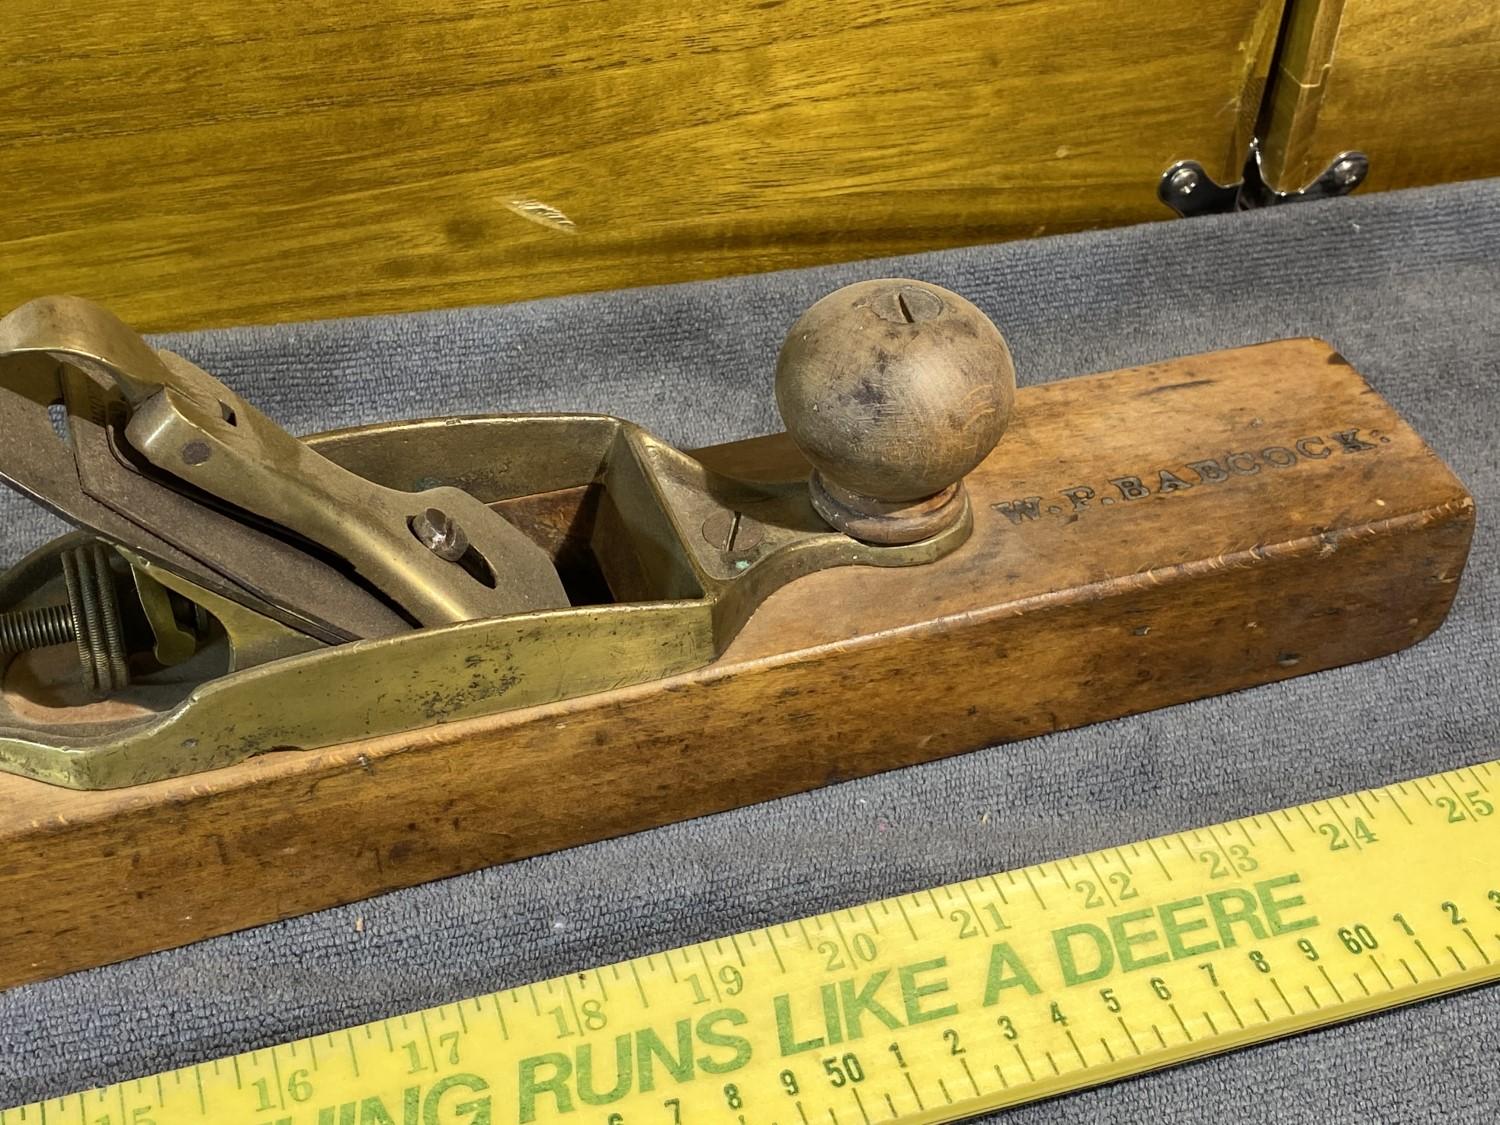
[[731, 533], [907, 304]]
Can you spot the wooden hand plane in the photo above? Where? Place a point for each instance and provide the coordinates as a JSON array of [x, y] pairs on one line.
[[267, 675]]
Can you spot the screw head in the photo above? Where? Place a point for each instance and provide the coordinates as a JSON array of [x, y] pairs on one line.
[[731, 532], [907, 304], [195, 453], [436, 530], [1185, 181], [1346, 172]]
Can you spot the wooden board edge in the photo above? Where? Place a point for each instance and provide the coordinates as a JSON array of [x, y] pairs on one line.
[[1294, 97]]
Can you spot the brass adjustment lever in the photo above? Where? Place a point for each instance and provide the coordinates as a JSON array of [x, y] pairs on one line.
[[268, 592], [183, 422]]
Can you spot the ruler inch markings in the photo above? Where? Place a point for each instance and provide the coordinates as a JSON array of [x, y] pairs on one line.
[[771, 940], [1464, 803], [1103, 885], [990, 985], [1164, 870], [844, 941], [905, 917], [1349, 835], [1026, 871], [974, 910]]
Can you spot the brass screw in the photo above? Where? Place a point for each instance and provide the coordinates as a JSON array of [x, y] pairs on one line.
[[731, 533]]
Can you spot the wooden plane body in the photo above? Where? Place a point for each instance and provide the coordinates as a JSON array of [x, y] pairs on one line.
[[1141, 538]]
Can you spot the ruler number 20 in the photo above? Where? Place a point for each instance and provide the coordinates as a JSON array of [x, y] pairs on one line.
[[861, 948]]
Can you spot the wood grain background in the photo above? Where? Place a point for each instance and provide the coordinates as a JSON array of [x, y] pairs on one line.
[[1413, 83], [206, 162]]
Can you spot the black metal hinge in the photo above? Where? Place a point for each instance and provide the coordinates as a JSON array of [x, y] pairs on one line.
[[1187, 189]]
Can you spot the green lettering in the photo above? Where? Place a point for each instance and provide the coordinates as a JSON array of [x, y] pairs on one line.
[[1174, 927], [1226, 918], [648, 1046], [531, 1085], [1274, 906], [857, 1003], [912, 992], [623, 1072], [478, 1109], [1123, 941], [712, 1037], [784, 1034], [372, 1111], [1003, 958], [1062, 940], [831, 1014]]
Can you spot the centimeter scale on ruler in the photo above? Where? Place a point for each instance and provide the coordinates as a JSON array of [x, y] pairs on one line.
[[932, 1006]]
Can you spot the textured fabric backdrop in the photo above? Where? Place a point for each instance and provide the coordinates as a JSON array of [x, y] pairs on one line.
[[1406, 285]]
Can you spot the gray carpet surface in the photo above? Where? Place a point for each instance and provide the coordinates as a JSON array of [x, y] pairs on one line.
[[1406, 285]]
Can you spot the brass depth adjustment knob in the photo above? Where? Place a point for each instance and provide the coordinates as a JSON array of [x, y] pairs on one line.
[[894, 390]]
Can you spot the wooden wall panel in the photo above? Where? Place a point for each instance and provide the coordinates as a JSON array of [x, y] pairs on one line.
[[210, 162], [1413, 83]]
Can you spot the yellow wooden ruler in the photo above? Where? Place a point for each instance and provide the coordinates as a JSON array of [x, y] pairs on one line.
[[932, 1006]]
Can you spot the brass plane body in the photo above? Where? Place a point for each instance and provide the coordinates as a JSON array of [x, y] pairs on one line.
[[656, 562]]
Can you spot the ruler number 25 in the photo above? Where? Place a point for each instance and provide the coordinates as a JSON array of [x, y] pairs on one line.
[[1471, 807]]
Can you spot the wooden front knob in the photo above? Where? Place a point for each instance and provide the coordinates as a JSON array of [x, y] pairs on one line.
[[894, 390]]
